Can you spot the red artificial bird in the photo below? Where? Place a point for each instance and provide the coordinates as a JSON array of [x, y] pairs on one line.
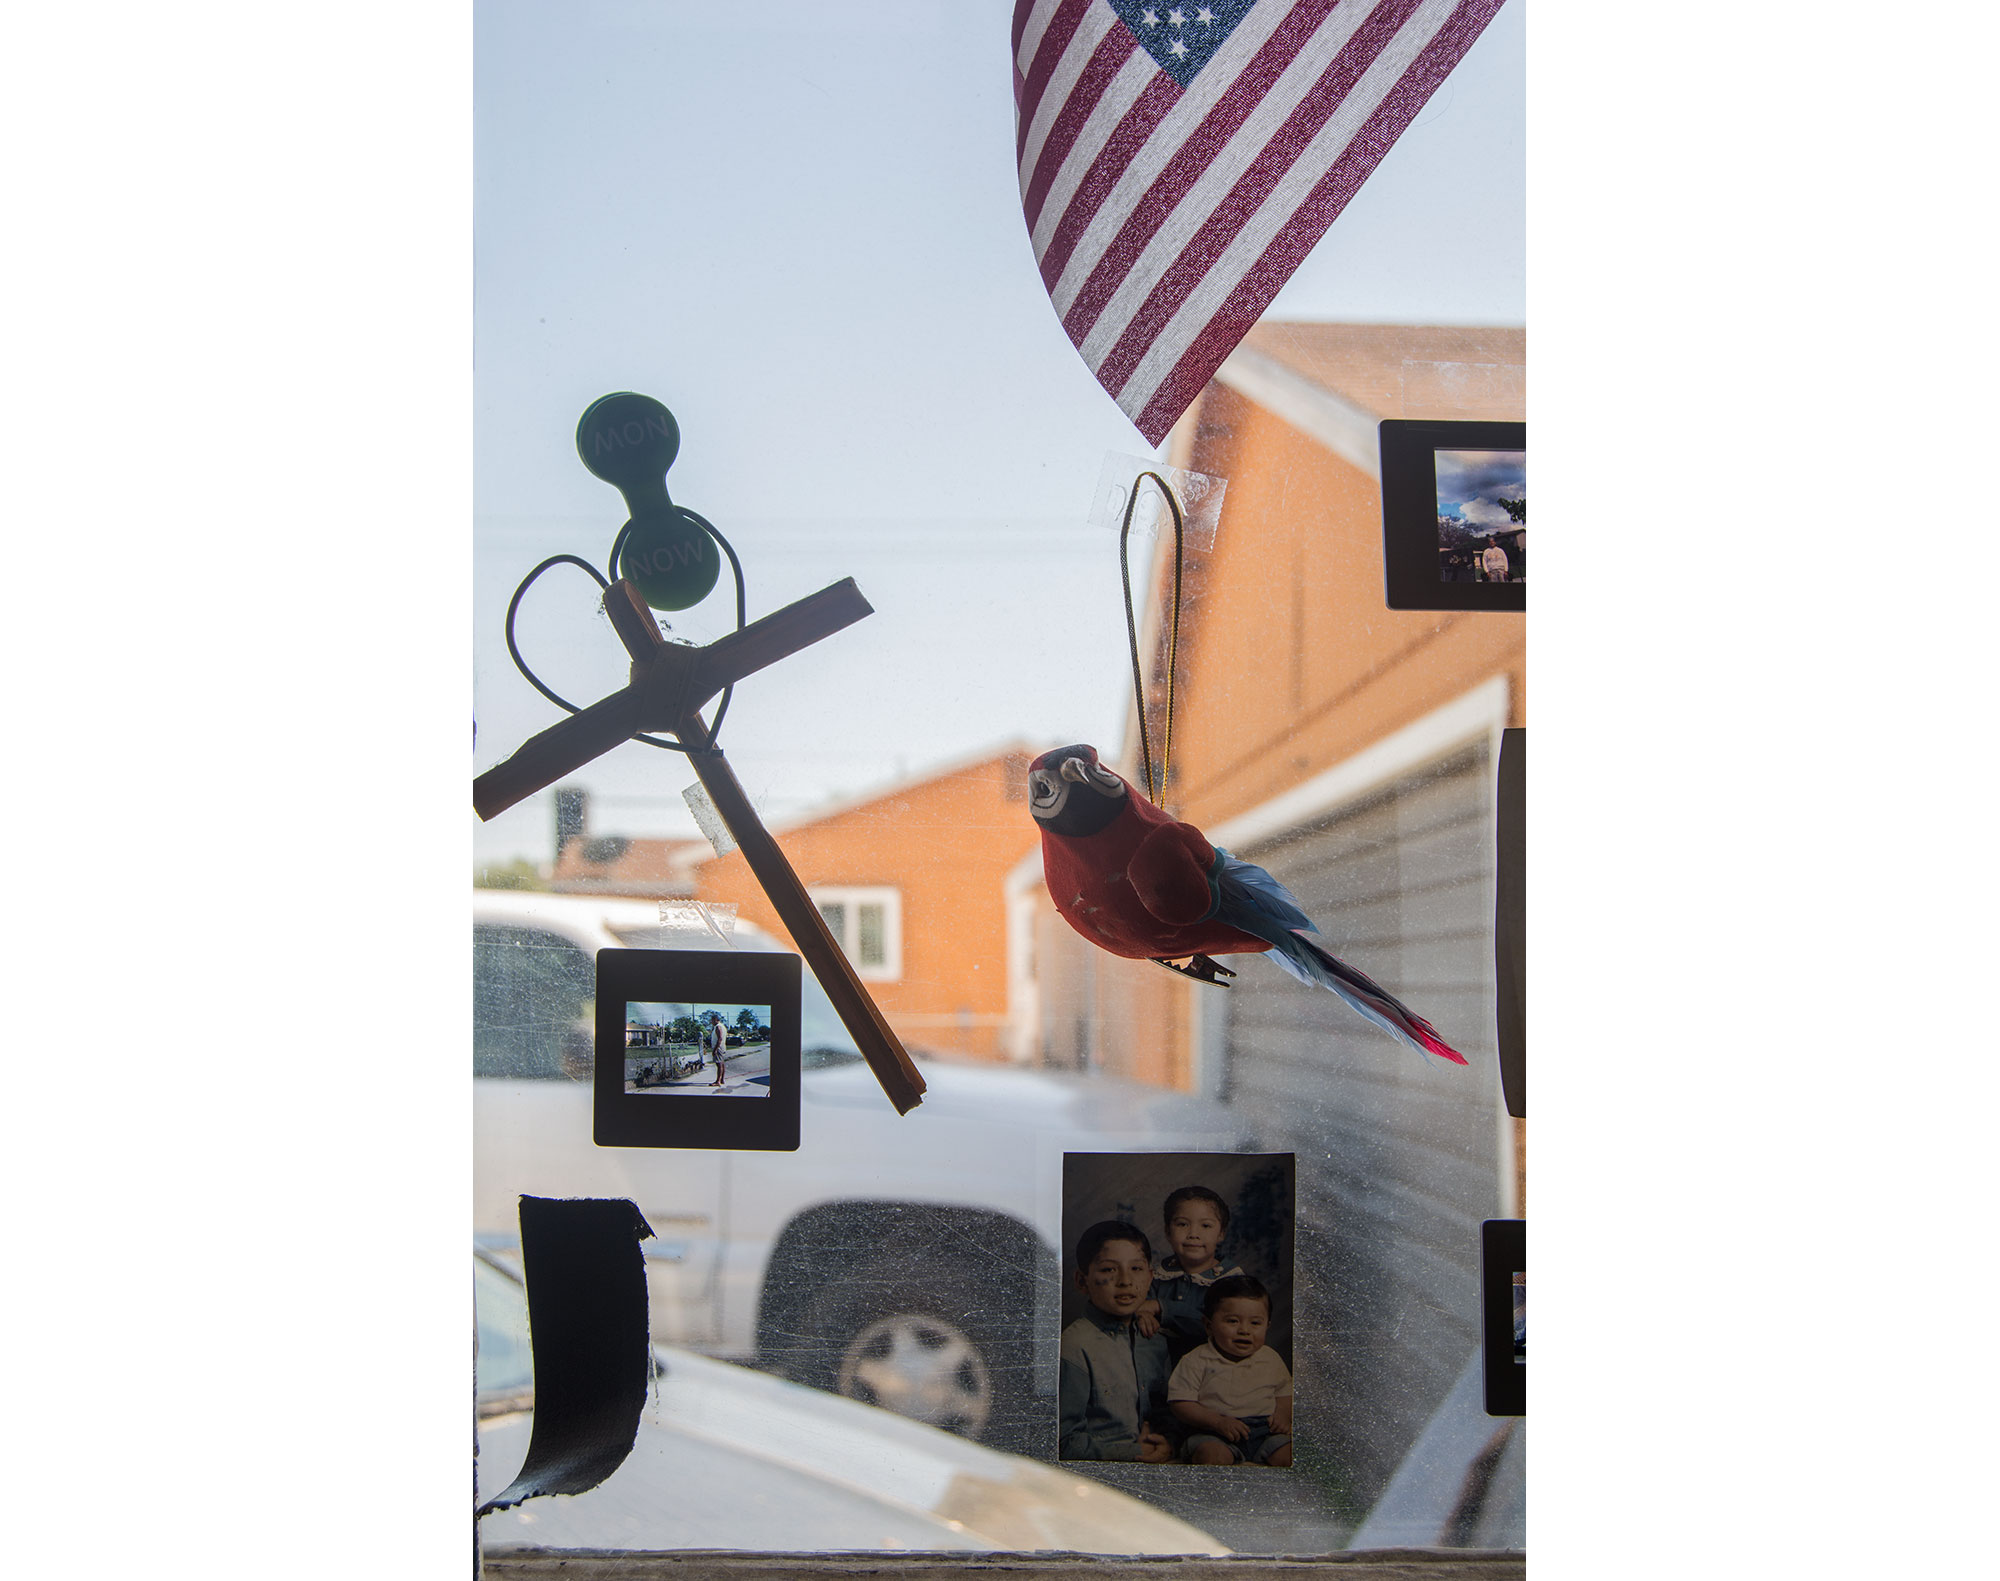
[[1141, 884]]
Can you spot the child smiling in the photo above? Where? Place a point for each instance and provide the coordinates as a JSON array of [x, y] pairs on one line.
[[1234, 1391], [1113, 1377], [1196, 1220]]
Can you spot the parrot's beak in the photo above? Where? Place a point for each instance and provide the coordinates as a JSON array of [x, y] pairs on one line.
[[1051, 780]]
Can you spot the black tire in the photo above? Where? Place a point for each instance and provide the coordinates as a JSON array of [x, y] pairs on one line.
[[904, 1312], [937, 1347]]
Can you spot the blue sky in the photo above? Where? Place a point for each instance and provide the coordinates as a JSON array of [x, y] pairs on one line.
[[1471, 482], [799, 226]]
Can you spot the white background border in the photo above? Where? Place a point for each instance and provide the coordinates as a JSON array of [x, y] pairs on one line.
[[1761, 819]]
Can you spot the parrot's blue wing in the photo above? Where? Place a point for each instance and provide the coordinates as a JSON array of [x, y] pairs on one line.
[[1246, 887], [1251, 899]]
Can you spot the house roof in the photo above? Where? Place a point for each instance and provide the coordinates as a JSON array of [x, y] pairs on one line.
[[909, 782], [1470, 371], [616, 865], [1336, 382]]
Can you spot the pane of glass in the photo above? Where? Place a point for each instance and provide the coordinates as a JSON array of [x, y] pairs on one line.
[[531, 1004], [506, 1364], [913, 1265], [874, 935]]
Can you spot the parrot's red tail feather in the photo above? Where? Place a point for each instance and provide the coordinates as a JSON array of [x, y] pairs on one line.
[[1366, 995], [1426, 1034]]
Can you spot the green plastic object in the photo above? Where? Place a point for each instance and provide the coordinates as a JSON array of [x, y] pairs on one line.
[[630, 441], [670, 559]]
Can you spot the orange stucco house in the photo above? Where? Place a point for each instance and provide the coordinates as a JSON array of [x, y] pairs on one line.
[[910, 879]]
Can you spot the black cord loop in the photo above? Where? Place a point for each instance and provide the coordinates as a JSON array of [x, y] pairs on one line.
[[604, 584]]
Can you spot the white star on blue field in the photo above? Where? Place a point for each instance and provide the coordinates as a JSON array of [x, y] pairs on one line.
[[1181, 39]]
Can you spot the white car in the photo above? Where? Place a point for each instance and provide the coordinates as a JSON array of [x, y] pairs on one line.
[[891, 1258], [728, 1458]]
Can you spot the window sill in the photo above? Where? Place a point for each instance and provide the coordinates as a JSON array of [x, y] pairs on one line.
[[1384, 1564]]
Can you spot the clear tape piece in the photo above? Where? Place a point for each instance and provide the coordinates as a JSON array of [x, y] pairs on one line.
[[1199, 493], [699, 916], [708, 820]]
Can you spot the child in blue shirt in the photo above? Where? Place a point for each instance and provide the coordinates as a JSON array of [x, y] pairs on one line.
[[1113, 1376], [1196, 1220]]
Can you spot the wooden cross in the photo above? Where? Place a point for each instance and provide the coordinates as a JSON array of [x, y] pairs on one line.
[[669, 686]]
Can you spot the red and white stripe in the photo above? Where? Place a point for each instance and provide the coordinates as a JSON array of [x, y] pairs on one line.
[[1164, 220]]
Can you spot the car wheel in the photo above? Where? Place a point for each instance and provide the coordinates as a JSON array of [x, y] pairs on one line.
[[946, 1350], [919, 1366]]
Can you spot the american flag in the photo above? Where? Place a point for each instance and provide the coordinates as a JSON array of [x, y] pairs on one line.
[[1178, 161]]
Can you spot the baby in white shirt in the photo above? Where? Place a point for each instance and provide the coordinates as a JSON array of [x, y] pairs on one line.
[[1233, 1391]]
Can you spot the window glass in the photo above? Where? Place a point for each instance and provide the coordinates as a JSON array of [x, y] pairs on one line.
[[871, 936], [505, 1367], [836, 295], [867, 920], [532, 998]]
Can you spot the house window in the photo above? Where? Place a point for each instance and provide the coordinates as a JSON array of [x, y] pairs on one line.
[[868, 923]]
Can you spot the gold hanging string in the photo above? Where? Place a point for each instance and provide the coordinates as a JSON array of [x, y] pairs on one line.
[[1157, 797]]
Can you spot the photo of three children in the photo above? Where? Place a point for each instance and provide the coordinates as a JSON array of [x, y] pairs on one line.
[[1176, 1343]]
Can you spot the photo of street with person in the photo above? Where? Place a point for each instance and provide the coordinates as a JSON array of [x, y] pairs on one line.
[[698, 1050], [1482, 515]]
